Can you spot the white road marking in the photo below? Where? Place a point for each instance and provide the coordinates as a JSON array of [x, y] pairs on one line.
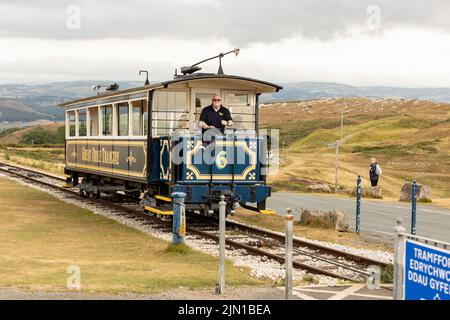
[[347, 292], [336, 295]]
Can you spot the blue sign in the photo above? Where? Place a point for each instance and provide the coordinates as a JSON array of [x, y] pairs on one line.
[[427, 272]]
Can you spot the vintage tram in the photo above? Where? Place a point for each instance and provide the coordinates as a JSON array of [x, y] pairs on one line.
[[127, 142]]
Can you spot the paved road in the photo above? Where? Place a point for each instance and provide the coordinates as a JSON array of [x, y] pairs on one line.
[[377, 217]]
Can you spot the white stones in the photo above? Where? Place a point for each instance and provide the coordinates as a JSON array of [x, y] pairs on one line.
[[260, 267]]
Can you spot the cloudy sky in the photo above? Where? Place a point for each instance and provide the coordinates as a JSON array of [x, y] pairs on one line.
[[359, 42]]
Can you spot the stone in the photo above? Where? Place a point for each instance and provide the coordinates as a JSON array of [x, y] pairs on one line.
[[422, 192], [319, 187], [336, 220], [370, 192]]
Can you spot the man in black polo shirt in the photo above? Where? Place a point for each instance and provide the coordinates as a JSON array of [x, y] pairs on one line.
[[215, 116]]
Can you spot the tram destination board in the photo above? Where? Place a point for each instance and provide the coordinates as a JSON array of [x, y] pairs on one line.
[[427, 272]]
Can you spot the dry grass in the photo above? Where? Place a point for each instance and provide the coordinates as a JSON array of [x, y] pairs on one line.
[[47, 159], [42, 236]]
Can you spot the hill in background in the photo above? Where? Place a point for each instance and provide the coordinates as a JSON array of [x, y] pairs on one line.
[[14, 110], [410, 139], [44, 98], [317, 90], [41, 134]]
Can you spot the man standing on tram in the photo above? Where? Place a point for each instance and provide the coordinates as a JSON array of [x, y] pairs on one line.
[[215, 116]]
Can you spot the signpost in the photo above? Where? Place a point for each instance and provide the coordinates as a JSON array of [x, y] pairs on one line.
[[427, 272], [358, 205]]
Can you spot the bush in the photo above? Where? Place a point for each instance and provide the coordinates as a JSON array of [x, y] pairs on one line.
[[387, 274], [41, 136]]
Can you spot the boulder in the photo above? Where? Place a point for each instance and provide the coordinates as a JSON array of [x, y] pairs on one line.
[[319, 187], [336, 220], [370, 192], [422, 192]]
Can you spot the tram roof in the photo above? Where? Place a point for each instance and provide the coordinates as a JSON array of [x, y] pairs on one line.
[[259, 85]]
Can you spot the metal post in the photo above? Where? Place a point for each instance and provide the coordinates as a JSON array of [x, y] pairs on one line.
[[222, 218], [414, 205], [288, 258], [358, 205], [336, 169], [338, 145], [179, 217], [399, 251]]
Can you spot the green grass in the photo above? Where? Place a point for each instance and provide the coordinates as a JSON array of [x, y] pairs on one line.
[[295, 130], [42, 236], [46, 155], [39, 136], [387, 150]]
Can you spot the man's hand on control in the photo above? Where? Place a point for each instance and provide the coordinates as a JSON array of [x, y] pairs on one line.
[[227, 123]]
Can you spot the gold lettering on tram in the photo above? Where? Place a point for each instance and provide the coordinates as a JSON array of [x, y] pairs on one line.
[[103, 156]]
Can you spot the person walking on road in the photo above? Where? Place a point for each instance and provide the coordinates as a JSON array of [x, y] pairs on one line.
[[375, 172]]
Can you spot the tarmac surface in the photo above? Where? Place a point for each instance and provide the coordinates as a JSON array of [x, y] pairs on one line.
[[378, 218]]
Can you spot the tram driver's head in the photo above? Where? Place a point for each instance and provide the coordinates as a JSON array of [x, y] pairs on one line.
[[216, 101]]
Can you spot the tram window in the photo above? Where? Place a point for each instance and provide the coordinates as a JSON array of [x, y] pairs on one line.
[[170, 112], [71, 116], [145, 117], [180, 101], [236, 98], [82, 122], [202, 100], [93, 121], [122, 119], [107, 120], [137, 117]]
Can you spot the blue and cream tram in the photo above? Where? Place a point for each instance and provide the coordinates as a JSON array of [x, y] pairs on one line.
[[146, 142]]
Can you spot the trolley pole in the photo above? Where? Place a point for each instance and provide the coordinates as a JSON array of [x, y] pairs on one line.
[[288, 258], [222, 221], [179, 218], [358, 205], [414, 207]]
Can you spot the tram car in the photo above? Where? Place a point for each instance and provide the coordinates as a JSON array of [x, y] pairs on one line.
[[127, 141]]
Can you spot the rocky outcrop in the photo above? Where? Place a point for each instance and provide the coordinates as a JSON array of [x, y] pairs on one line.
[[319, 187], [422, 192], [336, 220]]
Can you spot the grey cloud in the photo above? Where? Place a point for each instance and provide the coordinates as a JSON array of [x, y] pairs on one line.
[[239, 21]]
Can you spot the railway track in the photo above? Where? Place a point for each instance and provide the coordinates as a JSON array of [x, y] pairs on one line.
[[309, 256]]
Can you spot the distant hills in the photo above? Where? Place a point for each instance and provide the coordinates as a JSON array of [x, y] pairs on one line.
[[26, 102], [44, 98], [317, 90]]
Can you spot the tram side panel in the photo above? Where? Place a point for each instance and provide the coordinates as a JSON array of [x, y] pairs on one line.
[[121, 159]]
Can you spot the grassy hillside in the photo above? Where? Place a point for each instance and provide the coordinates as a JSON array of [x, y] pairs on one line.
[[410, 139], [41, 134]]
